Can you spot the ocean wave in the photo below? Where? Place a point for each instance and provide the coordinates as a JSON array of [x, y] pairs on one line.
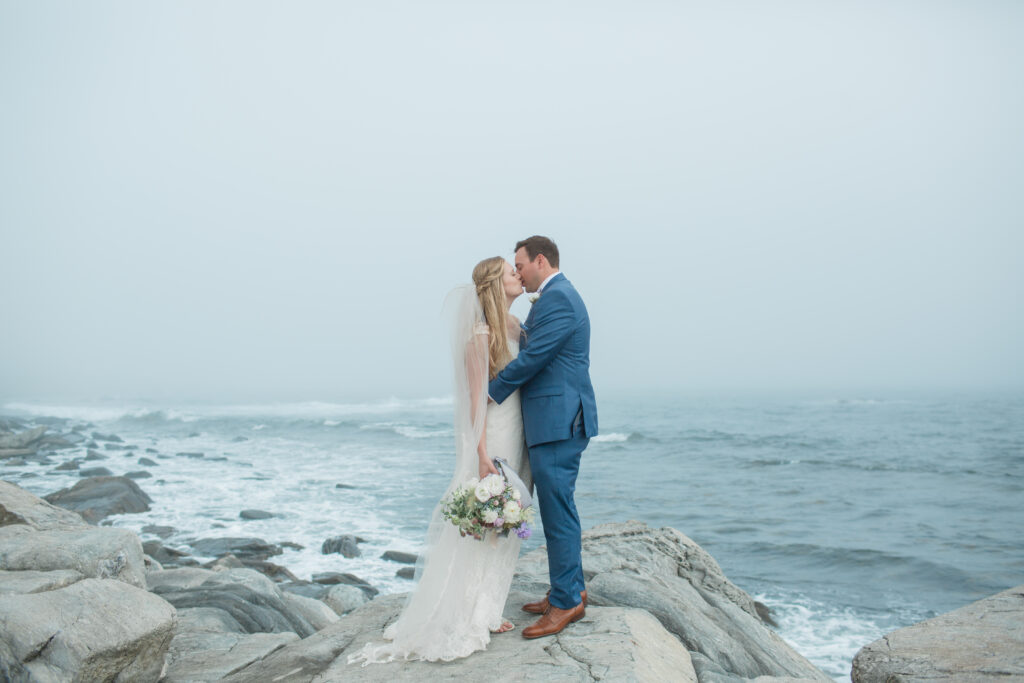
[[407, 430], [614, 437], [311, 410]]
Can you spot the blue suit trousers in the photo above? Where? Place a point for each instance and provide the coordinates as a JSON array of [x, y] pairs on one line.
[[555, 466]]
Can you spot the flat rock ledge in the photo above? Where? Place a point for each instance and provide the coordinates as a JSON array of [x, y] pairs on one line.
[[983, 641]]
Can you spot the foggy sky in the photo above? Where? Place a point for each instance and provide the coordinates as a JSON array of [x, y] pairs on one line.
[[253, 201]]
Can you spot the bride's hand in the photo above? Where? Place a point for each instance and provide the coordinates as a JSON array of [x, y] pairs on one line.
[[487, 467]]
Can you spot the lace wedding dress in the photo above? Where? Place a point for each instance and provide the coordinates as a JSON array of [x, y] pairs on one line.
[[462, 582]]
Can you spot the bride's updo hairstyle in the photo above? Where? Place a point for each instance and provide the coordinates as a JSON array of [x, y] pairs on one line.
[[487, 276]]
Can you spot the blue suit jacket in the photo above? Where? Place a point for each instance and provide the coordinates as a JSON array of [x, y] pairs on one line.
[[553, 367]]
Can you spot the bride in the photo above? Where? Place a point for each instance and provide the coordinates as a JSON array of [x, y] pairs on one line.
[[462, 582]]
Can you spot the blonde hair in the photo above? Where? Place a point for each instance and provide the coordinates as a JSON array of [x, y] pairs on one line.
[[487, 276]]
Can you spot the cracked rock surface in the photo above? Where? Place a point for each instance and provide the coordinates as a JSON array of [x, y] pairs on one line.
[[983, 641]]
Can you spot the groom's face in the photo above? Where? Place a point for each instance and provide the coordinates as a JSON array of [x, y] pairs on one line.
[[527, 270]]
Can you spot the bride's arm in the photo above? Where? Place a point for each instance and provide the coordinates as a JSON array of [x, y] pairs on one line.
[[476, 370]]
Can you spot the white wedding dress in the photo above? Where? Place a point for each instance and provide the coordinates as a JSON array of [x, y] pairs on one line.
[[462, 582]]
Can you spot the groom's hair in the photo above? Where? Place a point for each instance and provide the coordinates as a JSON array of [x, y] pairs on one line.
[[539, 245]]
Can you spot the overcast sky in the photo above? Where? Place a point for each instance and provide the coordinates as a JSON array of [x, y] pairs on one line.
[[256, 201]]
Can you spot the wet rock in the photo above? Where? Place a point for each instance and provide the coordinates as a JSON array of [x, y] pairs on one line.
[[157, 530], [255, 514], [90, 454], [152, 450], [399, 556], [334, 578], [15, 462], [197, 656], [146, 462], [307, 589], [99, 497], [69, 466], [189, 454], [95, 472], [345, 545], [166, 556], [119, 447], [239, 439], [406, 573], [138, 474], [344, 486], [6, 453], [22, 440], [114, 438], [243, 548]]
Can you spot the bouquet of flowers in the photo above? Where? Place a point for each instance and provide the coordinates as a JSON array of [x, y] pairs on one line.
[[488, 504]]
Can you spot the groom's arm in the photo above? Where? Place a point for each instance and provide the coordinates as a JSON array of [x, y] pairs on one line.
[[552, 325]]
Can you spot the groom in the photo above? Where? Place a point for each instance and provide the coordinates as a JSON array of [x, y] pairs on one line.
[[559, 418]]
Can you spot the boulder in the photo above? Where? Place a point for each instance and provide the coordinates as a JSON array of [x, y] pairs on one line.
[[983, 641], [667, 574], [95, 472], [158, 530], [344, 598], [247, 597], [22, 439], [332, 578], [16, 452], [399, 556], [406, 573], [346, 545], [32, 581], [163, 554], [18, 506], [138, 474], [98, 497], [251, 548], [91, 455], [107, 437], [146, 462], [92, 630], [69, 466], [255, 514], [103, 553], [317, 613]]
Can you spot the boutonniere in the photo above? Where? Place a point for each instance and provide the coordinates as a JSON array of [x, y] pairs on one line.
[[533, 299]]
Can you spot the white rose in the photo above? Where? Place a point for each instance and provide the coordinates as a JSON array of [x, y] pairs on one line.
[[494, 483], [511, 512], [516, 495], [490, 516], [481, 492]]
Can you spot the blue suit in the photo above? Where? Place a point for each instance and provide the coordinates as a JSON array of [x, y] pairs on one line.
[[552, 372]]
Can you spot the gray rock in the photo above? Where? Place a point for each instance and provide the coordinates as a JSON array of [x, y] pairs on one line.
[[252, 548], [22, 439], [613, 644], [239, 439], [207, 656], [107, 437], [103, 553], [249, 598], [15, 462], [406, 573], [138, 474], [146, 462], [15, 452], [333, 578], [983, 641], [346, 545], [95, 472], [18, 506], [92, 630], [209, 619], [190, 454], [152, 450], [98, 497], [158, 530], [307, 589], [399, 556], [162, 554], [119, 447], [57, 443], [32, 581], [317, 613], [90, 454], [255, 514], [69, 466], [181, 578], [667, 574], [343, 598]]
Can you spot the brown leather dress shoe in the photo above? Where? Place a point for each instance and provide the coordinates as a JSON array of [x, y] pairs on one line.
[[554, 620], [541, 606]]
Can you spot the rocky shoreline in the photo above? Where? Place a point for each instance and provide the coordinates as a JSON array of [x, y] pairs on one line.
[[86, 602]]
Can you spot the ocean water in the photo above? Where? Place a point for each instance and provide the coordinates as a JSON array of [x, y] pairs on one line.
[[848, 516]]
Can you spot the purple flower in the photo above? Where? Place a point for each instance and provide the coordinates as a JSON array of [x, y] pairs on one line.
[[523, 532], [498, 522]]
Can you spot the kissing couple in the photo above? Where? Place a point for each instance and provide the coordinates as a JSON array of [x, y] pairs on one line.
[[523, 395]]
